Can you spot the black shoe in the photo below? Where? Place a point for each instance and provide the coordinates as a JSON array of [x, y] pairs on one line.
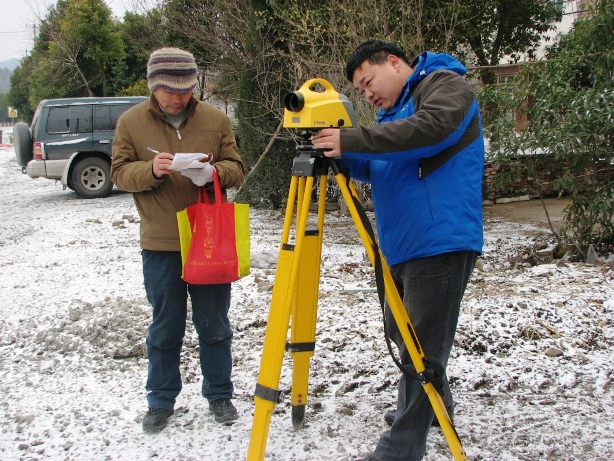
[[391, 414], [225, 412], [155, 419]]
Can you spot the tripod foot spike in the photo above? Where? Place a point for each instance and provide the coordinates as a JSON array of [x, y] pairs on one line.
[[298, 416]]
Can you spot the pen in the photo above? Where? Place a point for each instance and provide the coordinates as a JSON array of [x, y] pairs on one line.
[[205, 159]]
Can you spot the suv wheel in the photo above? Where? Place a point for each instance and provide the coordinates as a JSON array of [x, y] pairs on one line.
[[22, 139], [91, 178]]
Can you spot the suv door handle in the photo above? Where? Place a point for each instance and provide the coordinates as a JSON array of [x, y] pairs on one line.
[[104, 141]]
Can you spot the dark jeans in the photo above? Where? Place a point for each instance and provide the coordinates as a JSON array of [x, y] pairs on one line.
[[432, 289], [168, 295]]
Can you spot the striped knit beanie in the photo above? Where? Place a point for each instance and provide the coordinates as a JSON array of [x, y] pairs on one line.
[[171, 69]]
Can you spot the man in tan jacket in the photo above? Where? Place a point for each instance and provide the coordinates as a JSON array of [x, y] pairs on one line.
[[146, 139]]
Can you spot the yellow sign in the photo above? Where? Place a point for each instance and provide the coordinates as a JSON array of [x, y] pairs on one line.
[[12, 112]]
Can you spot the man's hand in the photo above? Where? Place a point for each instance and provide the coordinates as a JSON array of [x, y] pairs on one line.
[[161, 164], [199, 176], [330, 139]]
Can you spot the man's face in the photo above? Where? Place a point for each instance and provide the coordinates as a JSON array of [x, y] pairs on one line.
[[380, 84], [172, 103]]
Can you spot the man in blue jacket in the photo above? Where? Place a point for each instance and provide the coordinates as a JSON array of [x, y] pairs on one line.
[[424, 159]]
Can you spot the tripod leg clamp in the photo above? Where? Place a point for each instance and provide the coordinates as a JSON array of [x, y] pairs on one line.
[[300, 347], [433, 374], [272, 395]]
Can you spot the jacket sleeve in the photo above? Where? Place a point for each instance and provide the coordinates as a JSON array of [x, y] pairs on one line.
[[128, 171], [443, 106]]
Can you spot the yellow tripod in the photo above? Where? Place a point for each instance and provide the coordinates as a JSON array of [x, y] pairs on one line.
[[301, 262]]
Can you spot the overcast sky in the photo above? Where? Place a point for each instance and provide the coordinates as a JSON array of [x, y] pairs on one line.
[[20, 17]]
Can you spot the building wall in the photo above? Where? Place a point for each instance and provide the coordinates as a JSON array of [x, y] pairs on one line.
[[525, 188]]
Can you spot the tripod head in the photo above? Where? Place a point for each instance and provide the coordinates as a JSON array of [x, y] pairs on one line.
[[317, 105], [309, 161]]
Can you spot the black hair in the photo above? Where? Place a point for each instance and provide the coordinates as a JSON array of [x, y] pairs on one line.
[[374, 51]]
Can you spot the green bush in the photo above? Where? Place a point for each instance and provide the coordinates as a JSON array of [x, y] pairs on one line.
[[569, 104]]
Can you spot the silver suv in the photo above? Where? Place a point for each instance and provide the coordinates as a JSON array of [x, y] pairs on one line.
[[70, 140]]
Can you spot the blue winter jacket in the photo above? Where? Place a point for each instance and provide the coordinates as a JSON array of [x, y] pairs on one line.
[[424, 160]]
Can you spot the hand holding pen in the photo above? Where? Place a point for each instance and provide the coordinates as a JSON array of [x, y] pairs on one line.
[[161, 162]]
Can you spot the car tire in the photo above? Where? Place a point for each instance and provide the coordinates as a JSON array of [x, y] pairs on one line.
[[22, 139], [91, 178]]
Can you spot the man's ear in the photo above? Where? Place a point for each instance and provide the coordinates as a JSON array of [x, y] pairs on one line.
[[394, 61]]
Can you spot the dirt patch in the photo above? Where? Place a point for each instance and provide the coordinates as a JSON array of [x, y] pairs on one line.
[[530, 212]]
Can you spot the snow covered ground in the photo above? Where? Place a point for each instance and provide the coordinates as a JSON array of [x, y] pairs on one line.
[[531, 370]]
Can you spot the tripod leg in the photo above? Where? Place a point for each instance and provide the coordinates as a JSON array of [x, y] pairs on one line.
[[304, 311], [302, 337], [286, 277], [403, 322]]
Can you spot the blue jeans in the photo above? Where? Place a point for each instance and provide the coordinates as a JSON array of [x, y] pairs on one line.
[[432, 289], [168, 295]]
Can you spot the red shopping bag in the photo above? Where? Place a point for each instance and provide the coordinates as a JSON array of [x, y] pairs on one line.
[[214, 239]]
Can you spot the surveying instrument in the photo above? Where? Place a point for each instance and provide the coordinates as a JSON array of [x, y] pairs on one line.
[[314, 106]]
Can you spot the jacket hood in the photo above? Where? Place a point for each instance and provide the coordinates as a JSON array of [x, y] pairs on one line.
[[424, 65], [429, 62]]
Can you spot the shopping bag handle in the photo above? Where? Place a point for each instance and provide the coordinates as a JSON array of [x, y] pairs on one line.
[[203, 197]]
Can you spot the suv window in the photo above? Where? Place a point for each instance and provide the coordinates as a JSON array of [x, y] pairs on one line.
[[105, 117], [69, 119], [80, 119], [57, 122]]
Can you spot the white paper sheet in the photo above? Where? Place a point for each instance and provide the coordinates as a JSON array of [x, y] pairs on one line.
[[192, 160]]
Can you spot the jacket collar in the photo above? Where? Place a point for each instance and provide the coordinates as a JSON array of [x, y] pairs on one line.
[[154, 107], [423, 65]]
